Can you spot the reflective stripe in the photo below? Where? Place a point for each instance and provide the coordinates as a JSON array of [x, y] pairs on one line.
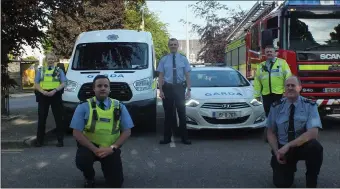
[[314, 67], [93, 104], [116, 112]]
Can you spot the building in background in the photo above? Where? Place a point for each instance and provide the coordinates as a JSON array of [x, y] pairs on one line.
[[194, 48]]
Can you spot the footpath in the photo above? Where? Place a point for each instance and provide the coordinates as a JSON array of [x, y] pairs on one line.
[[18, 130]]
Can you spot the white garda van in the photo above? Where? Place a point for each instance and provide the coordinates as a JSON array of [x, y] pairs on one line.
[[127, 57]]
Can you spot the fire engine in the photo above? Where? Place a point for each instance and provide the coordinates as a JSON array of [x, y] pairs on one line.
[[304, 33]]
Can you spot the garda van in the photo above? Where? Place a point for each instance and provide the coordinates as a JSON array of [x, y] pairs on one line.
[[127, 57]]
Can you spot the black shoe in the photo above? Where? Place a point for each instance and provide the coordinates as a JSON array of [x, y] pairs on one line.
[[164, 141], [188, 142], [89, 184], [38, 144], [60, 144]]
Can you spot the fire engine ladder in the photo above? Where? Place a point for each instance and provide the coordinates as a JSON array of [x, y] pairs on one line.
[[256, 12]]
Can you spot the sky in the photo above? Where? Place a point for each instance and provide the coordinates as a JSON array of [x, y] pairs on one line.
[[170, 12]]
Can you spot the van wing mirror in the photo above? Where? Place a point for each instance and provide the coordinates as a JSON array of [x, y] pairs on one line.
[[266, 38], [155, 74]]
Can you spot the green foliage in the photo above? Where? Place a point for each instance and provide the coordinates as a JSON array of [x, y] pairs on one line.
[[93, 15], [30, 58], [152, 24], [214, 33]]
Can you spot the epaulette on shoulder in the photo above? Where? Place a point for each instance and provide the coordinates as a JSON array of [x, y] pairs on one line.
[[306, 100], [81, 102], [278, 102]]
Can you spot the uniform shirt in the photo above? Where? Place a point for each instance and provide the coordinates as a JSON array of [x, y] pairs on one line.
[[306, 116], [81, 115], [38, 75], [268, 63], [182, 67]]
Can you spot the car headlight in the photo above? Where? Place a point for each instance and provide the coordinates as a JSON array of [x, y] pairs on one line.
[[71, 86], [143, 84], [192, 103], [255, 102]]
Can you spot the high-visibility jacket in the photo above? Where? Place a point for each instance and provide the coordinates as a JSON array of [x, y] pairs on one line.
[[272, 81], [103, 126], [49, 81]]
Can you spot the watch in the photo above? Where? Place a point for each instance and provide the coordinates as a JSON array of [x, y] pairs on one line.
[[113, 147]]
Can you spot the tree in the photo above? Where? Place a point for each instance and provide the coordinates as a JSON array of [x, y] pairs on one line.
[[213, 35], [95, 15], [133, 20], [22, 22]]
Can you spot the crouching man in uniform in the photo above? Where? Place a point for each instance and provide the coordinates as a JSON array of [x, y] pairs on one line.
[[97, 126], [293, 124]]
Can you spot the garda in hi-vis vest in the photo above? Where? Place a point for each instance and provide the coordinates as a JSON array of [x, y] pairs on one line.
[[103, 126], [271, 82], [49, 78]]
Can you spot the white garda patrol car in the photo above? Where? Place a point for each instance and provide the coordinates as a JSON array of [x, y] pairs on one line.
[[221, 98], [127, 57]]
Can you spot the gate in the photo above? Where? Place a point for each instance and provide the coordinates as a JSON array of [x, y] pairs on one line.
[[4, 90]]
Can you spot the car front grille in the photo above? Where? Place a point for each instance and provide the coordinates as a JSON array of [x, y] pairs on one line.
[[236, 105], [119, 91], [238, 120]]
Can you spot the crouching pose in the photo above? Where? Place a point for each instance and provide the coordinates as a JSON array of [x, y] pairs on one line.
[[293, 124], [97, 126]]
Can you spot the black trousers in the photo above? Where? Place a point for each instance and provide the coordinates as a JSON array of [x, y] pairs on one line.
[[268, 100], [44, 103], [311, 152], [174, 99], [111, 166]]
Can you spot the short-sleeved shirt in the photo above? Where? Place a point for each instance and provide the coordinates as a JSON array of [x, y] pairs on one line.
[[166, 66], [306, 116], [82, 112], [62, 77]]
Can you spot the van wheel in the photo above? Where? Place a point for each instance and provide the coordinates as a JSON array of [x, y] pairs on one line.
[[67, 122], [152, 120]]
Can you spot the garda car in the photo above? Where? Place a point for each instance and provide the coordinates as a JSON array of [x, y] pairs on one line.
[[221, 98]]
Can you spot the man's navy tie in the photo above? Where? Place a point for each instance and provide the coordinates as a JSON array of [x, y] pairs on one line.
[[291, 129], [174, 70]]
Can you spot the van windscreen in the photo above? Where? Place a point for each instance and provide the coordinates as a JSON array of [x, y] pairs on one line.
[[110, 56]]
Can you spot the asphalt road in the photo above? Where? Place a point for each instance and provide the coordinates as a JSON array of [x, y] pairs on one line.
[[22, 102], [234, 158]]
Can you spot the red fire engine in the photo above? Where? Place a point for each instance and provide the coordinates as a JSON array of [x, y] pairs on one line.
[[305, 33]]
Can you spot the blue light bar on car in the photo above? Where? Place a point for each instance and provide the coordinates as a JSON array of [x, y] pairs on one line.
[[312, 2]]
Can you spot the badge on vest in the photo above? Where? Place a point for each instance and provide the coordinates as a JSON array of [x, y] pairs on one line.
[[275, 70], [105, 120]]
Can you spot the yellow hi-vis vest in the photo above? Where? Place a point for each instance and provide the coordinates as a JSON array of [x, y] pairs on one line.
[[103, 126], [268, 82], [47, 81]]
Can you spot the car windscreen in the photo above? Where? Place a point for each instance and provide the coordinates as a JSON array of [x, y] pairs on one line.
[[110, 56], [217, 78]]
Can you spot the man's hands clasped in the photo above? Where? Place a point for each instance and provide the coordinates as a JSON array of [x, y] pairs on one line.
[[103, 152], [280, 154], [50, 93]]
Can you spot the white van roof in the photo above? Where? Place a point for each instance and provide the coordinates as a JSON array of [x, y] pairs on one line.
[[116, 35]]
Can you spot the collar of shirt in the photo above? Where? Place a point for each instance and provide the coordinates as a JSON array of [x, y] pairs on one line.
[[106, 102], [50, 67], [296, 103]]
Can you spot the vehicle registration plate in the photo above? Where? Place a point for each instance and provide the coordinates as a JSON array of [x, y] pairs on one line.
[[225, 115], [332, 90]]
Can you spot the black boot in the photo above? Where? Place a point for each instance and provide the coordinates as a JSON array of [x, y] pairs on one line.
[[311, 181], [89, 183]]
